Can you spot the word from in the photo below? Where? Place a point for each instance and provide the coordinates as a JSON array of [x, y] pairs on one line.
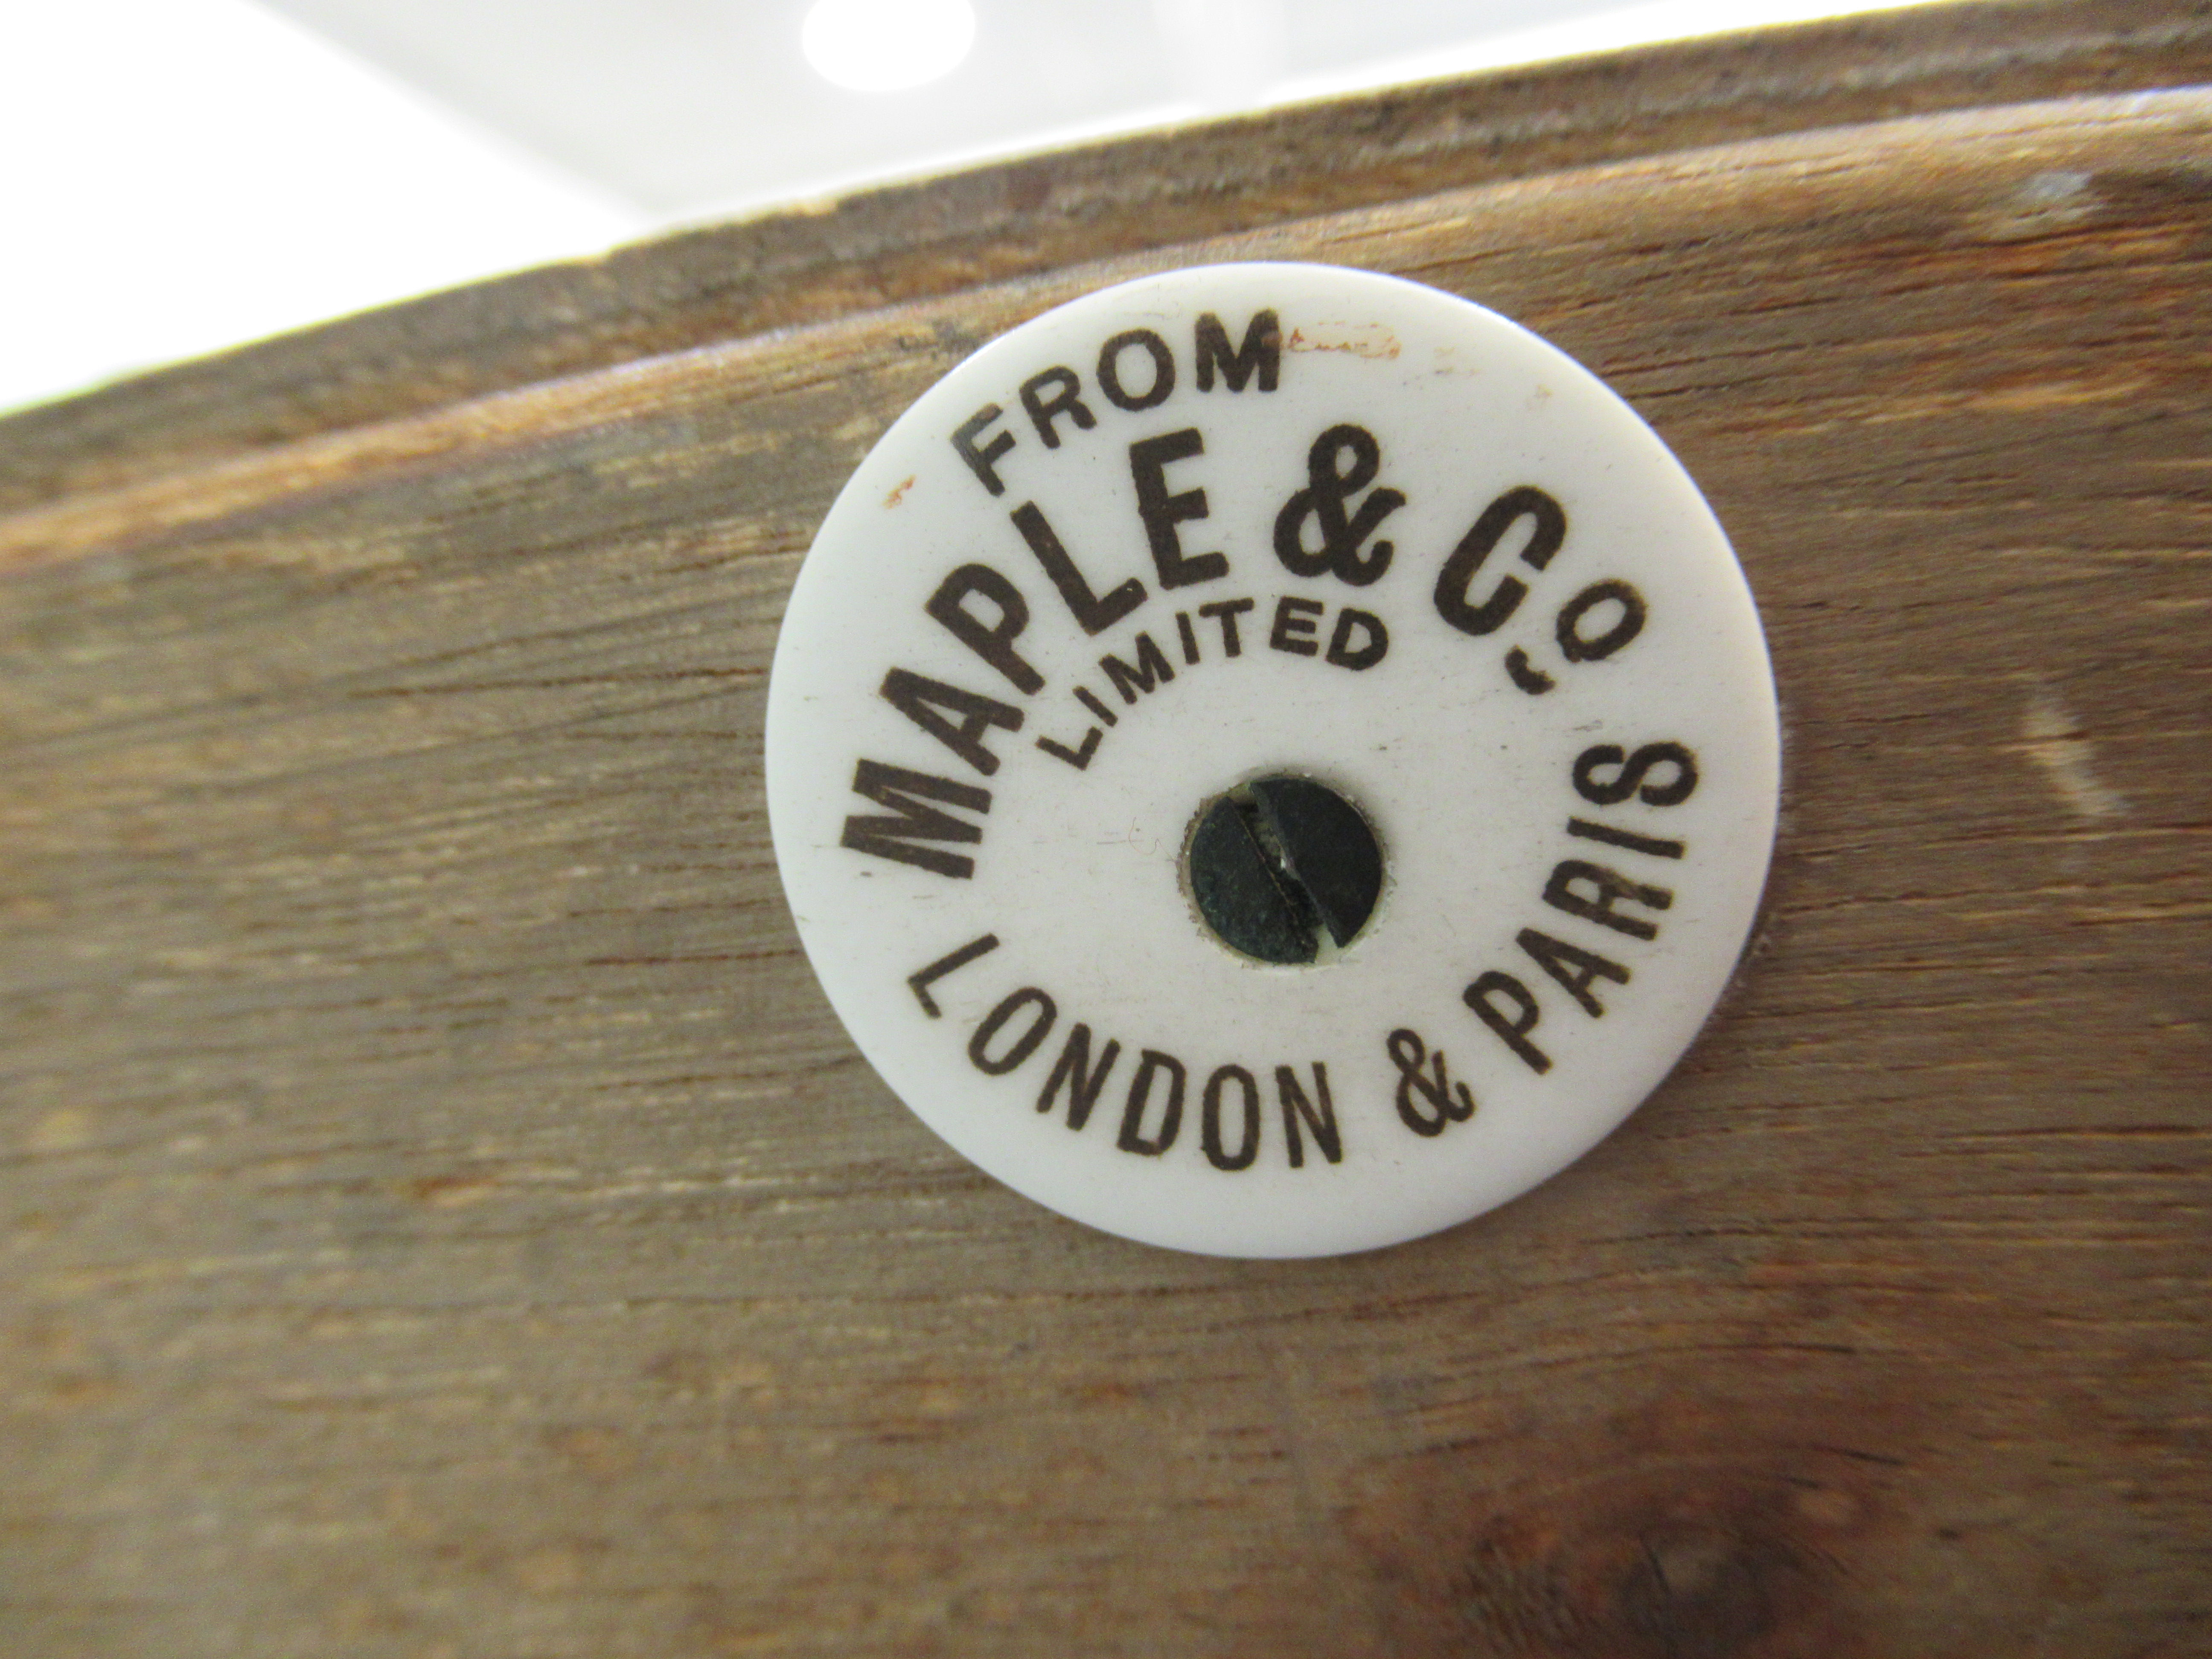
[[1054, 393]]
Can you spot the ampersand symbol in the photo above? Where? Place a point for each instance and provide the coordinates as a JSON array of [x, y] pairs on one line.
[[1448, 1102], [1329, 485]]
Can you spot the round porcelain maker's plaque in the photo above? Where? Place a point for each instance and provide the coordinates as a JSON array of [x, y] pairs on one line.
[[1272, 759]]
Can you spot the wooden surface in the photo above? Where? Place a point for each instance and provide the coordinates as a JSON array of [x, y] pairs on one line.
[[444, 1219], [910, 241]]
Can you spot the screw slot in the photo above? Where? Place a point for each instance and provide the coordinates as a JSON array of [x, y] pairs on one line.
[[1284, 869]]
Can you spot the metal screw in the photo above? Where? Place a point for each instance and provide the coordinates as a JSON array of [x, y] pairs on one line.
[[1284, 869]]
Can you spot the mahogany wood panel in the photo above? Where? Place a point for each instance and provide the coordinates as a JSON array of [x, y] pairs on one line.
[[443, 1217]]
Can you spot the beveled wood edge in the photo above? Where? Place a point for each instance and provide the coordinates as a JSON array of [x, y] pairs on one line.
[[912, 239], [1891, 156]]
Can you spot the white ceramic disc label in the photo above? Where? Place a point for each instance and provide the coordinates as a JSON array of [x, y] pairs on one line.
[[1271, 759]]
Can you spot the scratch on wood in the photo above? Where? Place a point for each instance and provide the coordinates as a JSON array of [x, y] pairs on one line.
[[2052, 737]]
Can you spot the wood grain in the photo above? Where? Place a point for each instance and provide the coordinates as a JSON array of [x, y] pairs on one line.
[[1038, 214], [444, 1217]]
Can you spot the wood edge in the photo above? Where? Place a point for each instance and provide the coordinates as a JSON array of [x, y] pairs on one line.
[[95, 521], [912, 239]]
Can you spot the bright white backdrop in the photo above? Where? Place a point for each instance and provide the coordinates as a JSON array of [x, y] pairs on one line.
[[185, 174]]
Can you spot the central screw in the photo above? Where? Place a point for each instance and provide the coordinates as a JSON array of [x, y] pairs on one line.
[[1284, 869]]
